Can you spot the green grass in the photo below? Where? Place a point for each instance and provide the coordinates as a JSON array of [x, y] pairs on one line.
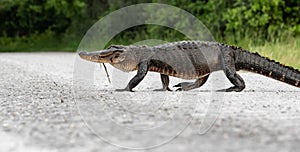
[[284, 47], [285, 51], [44, 42]]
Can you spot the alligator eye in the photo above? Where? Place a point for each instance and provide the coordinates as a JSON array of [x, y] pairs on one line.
[[117, 58], [117, 55], [113, 47], [110, 47]]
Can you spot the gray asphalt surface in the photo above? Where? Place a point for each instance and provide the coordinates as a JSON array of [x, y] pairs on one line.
[[38, 112]]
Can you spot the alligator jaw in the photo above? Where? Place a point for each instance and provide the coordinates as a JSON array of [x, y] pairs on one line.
[[99, 56]]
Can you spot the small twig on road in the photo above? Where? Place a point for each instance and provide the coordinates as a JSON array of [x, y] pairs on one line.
[[106, 73]]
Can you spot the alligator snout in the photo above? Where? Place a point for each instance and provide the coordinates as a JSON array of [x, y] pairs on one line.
[[102, 56], [82, 53], [86, 55], [90, 56]]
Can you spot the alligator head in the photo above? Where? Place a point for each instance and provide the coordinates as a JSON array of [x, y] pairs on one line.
[[119, 56], [113, 55]]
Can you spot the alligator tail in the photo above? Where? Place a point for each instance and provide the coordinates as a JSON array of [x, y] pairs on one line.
[[256, 63]]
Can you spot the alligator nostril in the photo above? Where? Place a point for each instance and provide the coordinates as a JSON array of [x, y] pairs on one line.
[[80, 53]]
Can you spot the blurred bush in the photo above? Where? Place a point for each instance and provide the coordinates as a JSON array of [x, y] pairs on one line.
[[229, 20]]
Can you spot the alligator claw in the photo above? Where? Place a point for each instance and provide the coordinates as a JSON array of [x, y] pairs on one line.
[[179, 89], [177, 85], [125, 89], [163, 89], [183, 84], [221, 90], [231, 89]]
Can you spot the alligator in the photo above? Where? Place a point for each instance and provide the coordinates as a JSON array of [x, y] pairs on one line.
[[191, 60]]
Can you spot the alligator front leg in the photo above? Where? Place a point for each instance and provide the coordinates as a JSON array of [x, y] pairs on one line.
[[141, 73], [165, 83], [185, 86]]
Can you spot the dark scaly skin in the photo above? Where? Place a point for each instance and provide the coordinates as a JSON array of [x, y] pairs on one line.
[[191, 60]]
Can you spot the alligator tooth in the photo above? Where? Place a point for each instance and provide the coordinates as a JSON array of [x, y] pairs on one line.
[[270, 74], [282, 78]]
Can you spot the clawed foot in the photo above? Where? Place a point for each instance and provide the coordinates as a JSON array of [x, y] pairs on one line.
[[179, 89], [125, 89], [163, 89], [183, 86], [231, 89]]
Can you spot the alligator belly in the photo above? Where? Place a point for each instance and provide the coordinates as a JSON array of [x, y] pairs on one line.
[[183, 74]]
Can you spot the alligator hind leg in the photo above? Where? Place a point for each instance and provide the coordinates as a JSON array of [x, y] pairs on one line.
[[234, 78], [185, 86], [165, 83]]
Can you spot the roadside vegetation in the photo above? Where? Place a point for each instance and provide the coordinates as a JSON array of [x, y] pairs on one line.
[[271, 28]]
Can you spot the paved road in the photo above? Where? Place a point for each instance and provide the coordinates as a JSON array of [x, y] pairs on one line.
[[41, 110]]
